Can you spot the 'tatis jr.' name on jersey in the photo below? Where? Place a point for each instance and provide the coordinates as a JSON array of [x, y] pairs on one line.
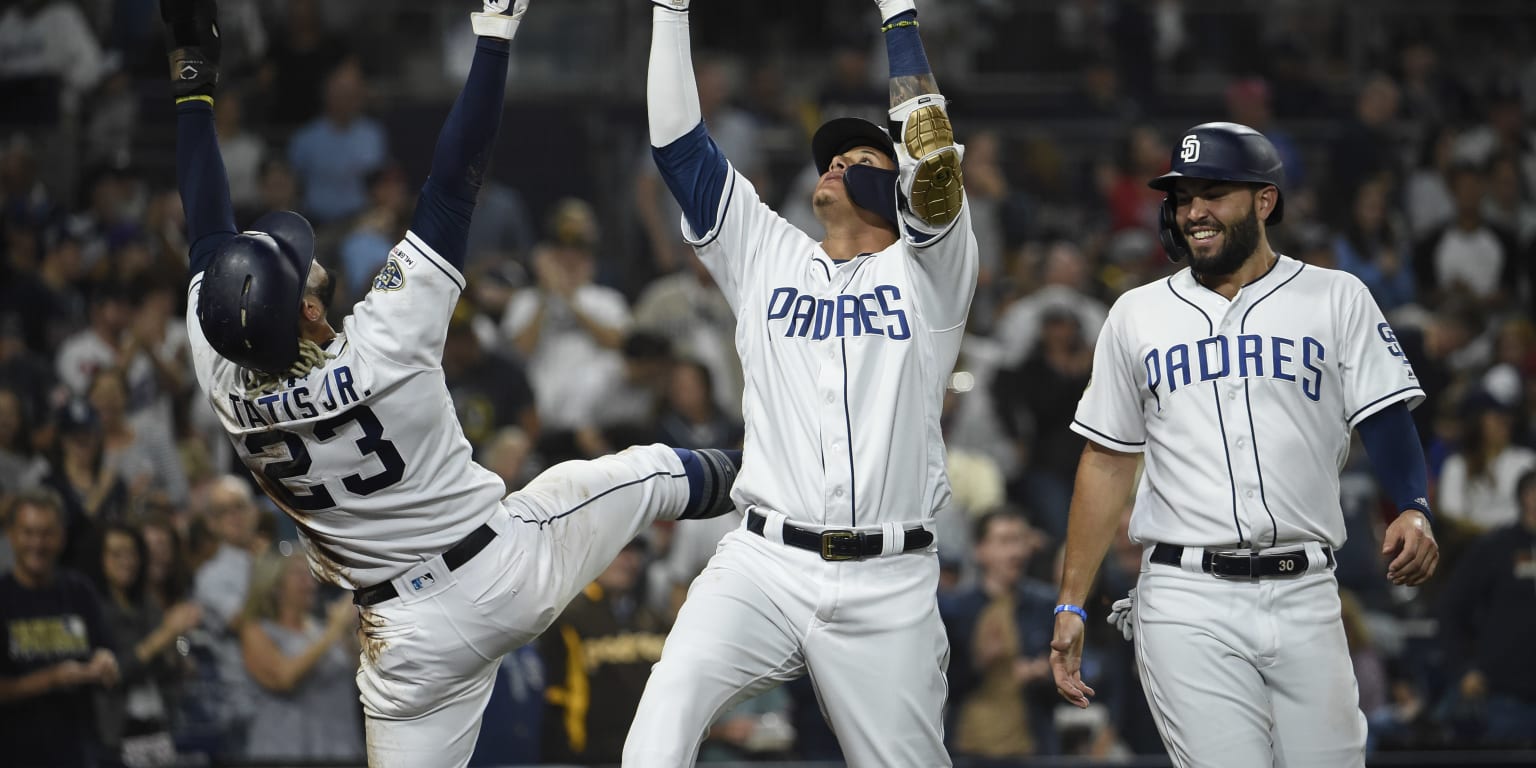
[[879, 312], [336, 390]]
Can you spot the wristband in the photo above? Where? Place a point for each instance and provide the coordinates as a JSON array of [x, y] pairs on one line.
[[1074, 609]]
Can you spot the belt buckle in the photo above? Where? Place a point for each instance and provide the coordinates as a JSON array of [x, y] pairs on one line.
[[830, 541]]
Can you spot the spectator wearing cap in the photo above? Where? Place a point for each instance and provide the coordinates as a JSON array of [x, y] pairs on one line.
[[55, 648], [1478, 482], [1488, 627], [88, 485]]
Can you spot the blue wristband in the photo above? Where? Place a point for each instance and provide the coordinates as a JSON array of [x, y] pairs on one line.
[[1075, 609]]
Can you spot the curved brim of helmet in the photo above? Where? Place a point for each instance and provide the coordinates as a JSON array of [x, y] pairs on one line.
[[1165, 182], [841, 134], [295, 238]]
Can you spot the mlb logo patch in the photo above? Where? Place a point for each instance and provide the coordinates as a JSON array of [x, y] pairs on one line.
[[423, 581], [390, 278]]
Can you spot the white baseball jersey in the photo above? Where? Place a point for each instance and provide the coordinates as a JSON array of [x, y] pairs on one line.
[[1244, 408], [365, 454], [845, 363]]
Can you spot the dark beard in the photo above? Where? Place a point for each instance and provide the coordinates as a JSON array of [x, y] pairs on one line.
[[1242, 239]]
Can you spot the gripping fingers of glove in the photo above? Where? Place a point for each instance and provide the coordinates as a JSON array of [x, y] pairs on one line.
[[681, 6], [500, 18]]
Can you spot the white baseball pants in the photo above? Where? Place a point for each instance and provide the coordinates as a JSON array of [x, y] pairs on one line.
[[429, 656], [1248, 672], [867, 631]]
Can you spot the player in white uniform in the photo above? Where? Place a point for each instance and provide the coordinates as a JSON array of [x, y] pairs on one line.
[[1238, 380], [846, 345], [353, 434]]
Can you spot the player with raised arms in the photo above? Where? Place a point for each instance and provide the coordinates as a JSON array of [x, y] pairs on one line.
[[353, 433], [846, 346], [1238, 380]]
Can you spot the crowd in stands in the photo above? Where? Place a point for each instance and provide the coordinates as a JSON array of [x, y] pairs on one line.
[[156, 609]]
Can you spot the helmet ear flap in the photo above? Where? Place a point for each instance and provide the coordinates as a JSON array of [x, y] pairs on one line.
[[1174, 244]]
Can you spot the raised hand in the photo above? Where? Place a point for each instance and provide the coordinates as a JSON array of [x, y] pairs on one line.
[[192, 38], [499, 19]]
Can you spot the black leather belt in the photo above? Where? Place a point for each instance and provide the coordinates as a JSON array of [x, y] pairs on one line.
[[457, 555], [1236, 565], [840, 543]]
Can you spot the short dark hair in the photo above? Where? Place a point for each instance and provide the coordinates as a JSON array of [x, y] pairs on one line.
[[984, 523], [42, 498]]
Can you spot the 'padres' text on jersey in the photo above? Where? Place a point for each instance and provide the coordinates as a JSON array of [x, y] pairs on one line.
[[1244, 407], [845, 361], [378, 416]]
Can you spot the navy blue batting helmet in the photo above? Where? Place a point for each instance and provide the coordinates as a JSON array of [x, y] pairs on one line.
[[1218, 152], [248, 305]]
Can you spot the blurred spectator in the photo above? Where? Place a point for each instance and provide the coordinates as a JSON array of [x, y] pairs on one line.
[[1374, 248], [133, 718], [25, 373], [1467, 256], [999, 633], [303, 52], [627, 413], [490, 390], [599, 654], [1365, 149], [88, 485], [1035, 400], [23, 196], [155, 357], [567, 328], [1427, 201], [375, 231], [100, 344], [167, 571], [1503, 132], [1430, 95], [757, 729], [1063, 284], [111, 216], [501, 229], [20, 467], [1477, 483], [305, 705], [48, 304], [51, 41], [55, 648], [223, 694], [688, 308], [1131, 203], [244, 152], [1488, 625], [278, 190], [691, 418], [1099, 95], [1370, 673], [1508, 207], [142, 453], [513, 719], [333, 154], [987, 193], [509, 453]]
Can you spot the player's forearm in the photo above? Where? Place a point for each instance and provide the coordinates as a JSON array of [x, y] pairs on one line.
[[911, 75], [928, 157], [203, 183], [671, 92], [1104, 481]]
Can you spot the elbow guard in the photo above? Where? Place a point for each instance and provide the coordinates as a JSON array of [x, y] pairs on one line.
[[929, 161]]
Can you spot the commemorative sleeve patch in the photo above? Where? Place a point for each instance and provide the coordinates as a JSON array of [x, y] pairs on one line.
[[391, 277]]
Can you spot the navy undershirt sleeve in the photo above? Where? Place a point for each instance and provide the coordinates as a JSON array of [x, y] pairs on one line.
[[203, 184], [695, 170], [1397, 458], [462, 155]]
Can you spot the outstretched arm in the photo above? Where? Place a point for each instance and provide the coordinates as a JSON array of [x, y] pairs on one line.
[[463, 148], [927, 155], [191, 28], [690, 163]]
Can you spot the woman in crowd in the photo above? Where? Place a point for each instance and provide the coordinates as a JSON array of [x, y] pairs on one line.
[[133, 717], [306, 701]]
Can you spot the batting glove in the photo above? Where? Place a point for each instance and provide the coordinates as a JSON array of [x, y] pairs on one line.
[[1122, 614], [500, 18], [891, 8], [192, 38], [681, 6]]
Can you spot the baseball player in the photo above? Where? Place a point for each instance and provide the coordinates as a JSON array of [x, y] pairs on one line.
[[352, 432], [846, 345], [1238, 381]]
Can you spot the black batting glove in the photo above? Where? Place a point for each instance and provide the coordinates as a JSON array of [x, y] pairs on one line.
[[192, 38]]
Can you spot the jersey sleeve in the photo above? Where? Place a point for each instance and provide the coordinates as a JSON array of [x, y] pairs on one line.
[[405, 315], [1375, 372], [748, 239], [1110, 411], [947, 265]]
